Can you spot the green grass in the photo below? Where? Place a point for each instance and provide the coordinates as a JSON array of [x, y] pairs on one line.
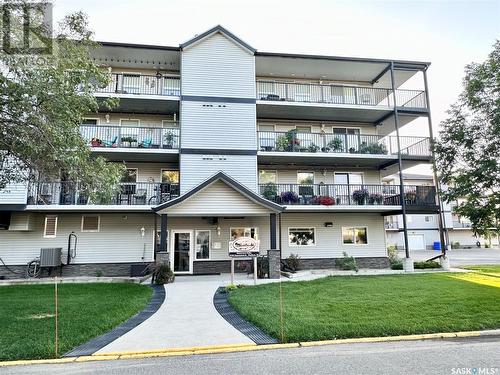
[[364, 306], [486, 268], [85, 311]]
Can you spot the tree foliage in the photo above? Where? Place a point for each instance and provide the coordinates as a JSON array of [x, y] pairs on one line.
[[468, 149], [42, 104]]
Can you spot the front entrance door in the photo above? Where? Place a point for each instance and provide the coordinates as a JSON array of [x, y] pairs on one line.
[[181, 254]]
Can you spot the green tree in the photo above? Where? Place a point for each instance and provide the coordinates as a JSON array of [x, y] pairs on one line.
[[43, 100], [468, 149]]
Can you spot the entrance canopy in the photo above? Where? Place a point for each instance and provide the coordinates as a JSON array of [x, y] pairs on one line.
[[220, 195]]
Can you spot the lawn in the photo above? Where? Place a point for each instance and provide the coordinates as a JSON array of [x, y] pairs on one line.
[[485, 268], [363, 306], [85, 311]]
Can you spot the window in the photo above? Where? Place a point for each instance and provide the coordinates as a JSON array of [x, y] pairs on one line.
[[169, 176], [266, 128], [303, 129], [90, 121], [354, 236], [429, 219], [306, 178], [90, 223], [266, 177], [131, 123], [50, 230], [202, 244], [245, 232], [345, 131], [348, 178], [301, 237]]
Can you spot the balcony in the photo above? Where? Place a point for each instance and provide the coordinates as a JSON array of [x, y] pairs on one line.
[[116, 136], [461, 224], [141, 84], [347, 195], [128, 194], [336, 94]]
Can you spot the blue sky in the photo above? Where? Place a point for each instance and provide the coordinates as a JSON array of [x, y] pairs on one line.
[[449, 34]]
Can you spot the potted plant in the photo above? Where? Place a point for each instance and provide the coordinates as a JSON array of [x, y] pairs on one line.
[[376, 198], [360, 196], [281, 143], [352, 150], [270, 191], [336, 145], [313, 148], [325, 200], [289, 197], [373, 148], [169, 139], [96, 142]]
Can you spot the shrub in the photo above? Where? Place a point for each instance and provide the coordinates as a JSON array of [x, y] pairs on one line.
[[397, 266], [335, 144], [346, 263], [270, 191], [376, 198], [455, 245], [313, 148], [426, 265], [281, 143], [289, 197], [324, 200], [162, 274], [373, 148], [392, 254], [293, 262], [232, 287], [98, 273]]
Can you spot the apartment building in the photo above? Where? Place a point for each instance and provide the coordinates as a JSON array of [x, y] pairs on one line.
[[222, 141], [423, 229]]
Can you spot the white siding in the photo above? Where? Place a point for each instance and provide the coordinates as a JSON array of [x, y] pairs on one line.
[[218, 125], [193, 223], [119, 239], [329, 240], [217, 199], [217, 66], [195, 169], [15, 193]]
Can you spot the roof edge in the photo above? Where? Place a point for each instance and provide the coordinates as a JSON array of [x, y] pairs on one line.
[[229, 181], [218, 29], [138, 46]]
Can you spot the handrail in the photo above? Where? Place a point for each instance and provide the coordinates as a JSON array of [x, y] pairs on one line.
[[137, 84]]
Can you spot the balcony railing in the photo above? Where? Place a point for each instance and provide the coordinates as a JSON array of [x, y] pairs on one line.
[[140, 84], [72, 193], [346, 195], [292, 141], [336, 94], [130, 137], [461, 224]]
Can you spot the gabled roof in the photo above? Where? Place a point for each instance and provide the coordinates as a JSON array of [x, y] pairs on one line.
[[223, 31], [221, 176]]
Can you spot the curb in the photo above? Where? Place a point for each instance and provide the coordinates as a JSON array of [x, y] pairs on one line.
[[232, 348]]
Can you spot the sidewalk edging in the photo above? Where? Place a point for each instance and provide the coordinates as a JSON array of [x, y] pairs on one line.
[[231, 348]]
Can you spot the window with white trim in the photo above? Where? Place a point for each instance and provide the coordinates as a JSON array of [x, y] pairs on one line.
[[202, 244], [50, 230], [244, 232], [301, 236], [91, 223], [354, 235], [267, 176]]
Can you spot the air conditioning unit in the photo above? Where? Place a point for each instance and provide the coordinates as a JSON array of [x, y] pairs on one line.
[[50, 257]]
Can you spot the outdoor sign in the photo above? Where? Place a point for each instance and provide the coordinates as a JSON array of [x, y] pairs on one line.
[[244, 247]]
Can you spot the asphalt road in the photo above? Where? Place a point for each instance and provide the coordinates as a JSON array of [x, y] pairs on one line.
[[453, 356], [460, 257]]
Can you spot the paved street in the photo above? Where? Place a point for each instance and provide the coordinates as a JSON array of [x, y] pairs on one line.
[[417, 357], [460, 257]]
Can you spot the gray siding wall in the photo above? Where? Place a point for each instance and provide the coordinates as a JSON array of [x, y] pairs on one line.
[[196, 168], [15, 193], [118, 240], [217, 66], [329, 240], [218, 125]]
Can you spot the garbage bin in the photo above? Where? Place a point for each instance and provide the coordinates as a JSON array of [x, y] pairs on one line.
[[437, 246]]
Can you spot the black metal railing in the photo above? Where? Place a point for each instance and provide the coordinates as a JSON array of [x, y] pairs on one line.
[[142, 84], [337, 94], [293, 141], [344, 195], [73, 193], [461, 224], [130, 137]]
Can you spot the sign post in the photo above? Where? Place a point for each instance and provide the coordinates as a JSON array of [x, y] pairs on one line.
[[244, 247]]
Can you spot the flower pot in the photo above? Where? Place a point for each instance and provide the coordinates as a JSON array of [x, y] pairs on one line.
[[126, 144]]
